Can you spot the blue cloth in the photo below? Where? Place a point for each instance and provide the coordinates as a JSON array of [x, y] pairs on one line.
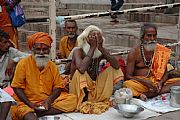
[[116, 4], [60, 20]]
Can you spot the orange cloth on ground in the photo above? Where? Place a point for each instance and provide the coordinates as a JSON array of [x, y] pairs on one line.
[[138, 88], [37, 86], [39, 37], [160, 61], [6, 25], [66, 48], [99, 90]]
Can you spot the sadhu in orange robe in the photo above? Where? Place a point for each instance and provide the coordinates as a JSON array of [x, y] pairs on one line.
[[65, 47], [158, 67], [5, 23], [38, 86]]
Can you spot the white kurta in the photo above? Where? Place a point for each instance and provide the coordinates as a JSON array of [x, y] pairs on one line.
[[12, 54]]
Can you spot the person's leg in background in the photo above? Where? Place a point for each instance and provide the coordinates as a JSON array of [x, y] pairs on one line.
[[5, 107], [169, 10], [115, 5]]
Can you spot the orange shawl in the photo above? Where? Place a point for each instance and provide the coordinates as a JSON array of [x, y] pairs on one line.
[[160, 61]]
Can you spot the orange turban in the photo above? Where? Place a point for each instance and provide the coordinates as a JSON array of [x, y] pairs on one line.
[[39, 37]]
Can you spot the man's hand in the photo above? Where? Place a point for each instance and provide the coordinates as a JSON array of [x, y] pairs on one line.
[[159, 86], [59, 54], [3, 84], [99, 39], [33, 106], [151, 87], [46, 103]]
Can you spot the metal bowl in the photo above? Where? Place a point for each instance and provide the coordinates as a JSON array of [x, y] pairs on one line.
[[128, 110]]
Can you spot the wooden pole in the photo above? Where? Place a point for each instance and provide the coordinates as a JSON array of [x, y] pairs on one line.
[[52, 27], [178, 46]]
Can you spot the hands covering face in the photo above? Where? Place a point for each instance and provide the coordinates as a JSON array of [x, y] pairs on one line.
[[95, 39]]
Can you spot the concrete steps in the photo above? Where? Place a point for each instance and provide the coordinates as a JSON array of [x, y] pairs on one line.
[[119, 35]]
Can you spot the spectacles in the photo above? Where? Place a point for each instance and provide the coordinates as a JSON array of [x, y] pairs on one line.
[[41, 50]]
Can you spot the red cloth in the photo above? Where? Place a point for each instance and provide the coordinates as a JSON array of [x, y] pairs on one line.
[[122, 66], [9, 90]]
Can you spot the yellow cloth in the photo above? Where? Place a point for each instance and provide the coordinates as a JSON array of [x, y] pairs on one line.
[[99, 90], [138, 88], [6, 25], [37, 86], [66, 48], [160, 61], [94, 108], [39, 37]]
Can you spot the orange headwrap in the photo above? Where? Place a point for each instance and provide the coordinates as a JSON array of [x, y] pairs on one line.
[[39, 37]]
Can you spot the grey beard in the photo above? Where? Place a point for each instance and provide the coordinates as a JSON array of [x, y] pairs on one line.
[[41, 60], [149, 47]]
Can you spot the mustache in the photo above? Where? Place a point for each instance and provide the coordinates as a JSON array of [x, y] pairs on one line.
[[42, 56], [150, 42]]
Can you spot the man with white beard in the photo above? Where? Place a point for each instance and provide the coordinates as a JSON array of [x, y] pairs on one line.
[[146, 70], [86, 81], [38, 85]]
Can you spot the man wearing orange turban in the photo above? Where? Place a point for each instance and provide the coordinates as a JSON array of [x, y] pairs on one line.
[[39, 37], [37, 83]]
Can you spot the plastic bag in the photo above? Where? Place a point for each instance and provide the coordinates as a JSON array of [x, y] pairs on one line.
[[123, 96]]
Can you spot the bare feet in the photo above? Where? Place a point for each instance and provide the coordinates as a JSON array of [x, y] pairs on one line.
[[143, 97]]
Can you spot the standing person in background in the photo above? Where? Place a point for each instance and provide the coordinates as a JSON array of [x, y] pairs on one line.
[[68, 42], [115, 6], [5, 20]]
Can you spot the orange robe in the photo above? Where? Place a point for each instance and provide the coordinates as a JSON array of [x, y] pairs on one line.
[[99, 90], [66, 48], [158, 68], [37, 86], [6, 25]]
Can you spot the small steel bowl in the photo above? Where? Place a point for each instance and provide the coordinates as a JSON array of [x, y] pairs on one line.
[[128, 110]]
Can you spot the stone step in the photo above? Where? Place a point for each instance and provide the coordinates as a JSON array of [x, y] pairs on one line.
[[124, 33]]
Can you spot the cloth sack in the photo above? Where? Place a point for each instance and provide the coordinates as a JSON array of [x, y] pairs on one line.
[[17, 15]]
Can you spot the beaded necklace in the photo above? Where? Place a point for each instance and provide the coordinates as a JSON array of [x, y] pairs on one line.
[[146, 62]]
